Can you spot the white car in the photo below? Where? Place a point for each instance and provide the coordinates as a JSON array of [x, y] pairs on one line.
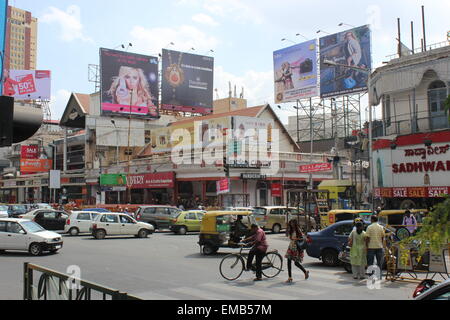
[[80, 222], [114, 224], [25, 235], [4, 211]]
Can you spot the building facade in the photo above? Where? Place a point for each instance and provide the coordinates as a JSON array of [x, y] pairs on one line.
[[21, 40], [411, 151]]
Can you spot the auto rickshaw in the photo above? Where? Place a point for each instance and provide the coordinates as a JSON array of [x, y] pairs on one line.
[[217, 227], [394, 219], [333, 216]]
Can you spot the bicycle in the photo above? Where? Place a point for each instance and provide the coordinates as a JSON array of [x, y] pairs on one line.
[[233, 265]]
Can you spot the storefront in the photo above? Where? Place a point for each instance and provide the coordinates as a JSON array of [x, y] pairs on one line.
[[413, 171], [152, 188]]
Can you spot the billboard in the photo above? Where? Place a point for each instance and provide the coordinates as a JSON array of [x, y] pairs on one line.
[[27, 84], [296, 72], [29, 152], [35, 165], [187, 82], [3, 19], [351, 48], [129, 84], [161, 180], [316, 167]]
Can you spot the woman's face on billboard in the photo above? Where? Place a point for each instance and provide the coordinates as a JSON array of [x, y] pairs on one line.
[[132, 79]]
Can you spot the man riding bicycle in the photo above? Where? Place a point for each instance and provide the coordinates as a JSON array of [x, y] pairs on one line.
[[259, 249]]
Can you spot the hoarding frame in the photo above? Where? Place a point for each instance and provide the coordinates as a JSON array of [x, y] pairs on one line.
[[364, 62], [148, 112]]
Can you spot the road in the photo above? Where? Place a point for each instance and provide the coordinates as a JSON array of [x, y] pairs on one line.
[[170, 267]]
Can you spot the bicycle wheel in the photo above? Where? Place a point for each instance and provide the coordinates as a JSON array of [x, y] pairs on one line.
[[272, 265], [231, 267]]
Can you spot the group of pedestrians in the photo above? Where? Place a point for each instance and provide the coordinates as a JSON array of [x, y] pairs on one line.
[[366, 246]]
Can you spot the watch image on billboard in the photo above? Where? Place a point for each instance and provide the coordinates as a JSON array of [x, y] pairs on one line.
[[347, 51], [296, 72], [187, 82], [129, 84]]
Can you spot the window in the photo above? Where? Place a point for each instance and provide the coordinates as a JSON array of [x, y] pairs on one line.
[[387, 110], [275, 211], [125, 219], [191, 216], [48, 215], [149, 211], [13, 227], [162, 211], [443, 296], [110, 218], [343, 230], [200, 216], [174, 212], [437, 93], [2, 226], [84, 216]]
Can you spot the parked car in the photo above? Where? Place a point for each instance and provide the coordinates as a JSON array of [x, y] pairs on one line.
[[15, 210], [25, 235], [430, 290], [328, 243], [4, 211], [188, 221], [113, 224], [49, 219], [159, 217], [275, 218], [80, 222], [96, 210], [239, 209]]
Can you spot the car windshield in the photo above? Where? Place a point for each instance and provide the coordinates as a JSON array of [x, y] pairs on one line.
[[32, 227], [3, 208], [23, 208]]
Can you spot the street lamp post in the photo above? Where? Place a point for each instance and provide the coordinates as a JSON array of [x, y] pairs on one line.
[[117, 154]]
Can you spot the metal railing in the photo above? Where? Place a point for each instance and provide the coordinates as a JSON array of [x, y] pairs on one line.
[[53, 285], [408, 126]]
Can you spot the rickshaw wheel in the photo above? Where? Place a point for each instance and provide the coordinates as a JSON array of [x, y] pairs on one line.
[[209, 250]]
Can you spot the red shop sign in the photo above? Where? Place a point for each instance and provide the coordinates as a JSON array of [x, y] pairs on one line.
[[276, 190], [438, 192], [316, 167], [151, 180], [29, 152]]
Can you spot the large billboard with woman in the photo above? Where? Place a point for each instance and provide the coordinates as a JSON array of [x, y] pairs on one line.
[[350, 53], [129, 84]]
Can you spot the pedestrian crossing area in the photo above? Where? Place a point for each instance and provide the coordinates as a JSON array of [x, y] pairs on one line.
[[323, 284]]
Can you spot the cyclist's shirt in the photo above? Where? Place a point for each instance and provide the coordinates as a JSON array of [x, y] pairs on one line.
[[260, 240]]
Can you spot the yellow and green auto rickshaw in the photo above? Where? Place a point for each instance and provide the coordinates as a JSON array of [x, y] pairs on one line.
[[217, 230], [394, 220], [333, 216]]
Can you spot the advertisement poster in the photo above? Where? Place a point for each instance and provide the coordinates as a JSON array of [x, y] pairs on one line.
[[351, 48], [35, 165], [276, 190], [187, 82], [129, 84], [29, 152], [296, 72], [223, 186], [27, 84], [151, 180]]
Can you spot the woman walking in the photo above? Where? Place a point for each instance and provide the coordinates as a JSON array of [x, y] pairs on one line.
[[294, 253], [358, 251]]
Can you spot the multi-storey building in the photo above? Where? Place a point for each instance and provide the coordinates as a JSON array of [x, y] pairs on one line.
[[21, 40], [411, 152]]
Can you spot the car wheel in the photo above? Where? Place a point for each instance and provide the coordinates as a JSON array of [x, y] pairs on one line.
[[182, 231], [35, 249], [100, 234], [276, 228], [330, 257], [74, 232], [209, 250], [143, 233]]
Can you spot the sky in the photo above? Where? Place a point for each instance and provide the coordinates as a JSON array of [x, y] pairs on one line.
[[242, 33]]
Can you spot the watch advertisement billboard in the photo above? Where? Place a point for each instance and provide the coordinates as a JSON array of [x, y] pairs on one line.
[[346, 51], [129, 84], [187, 82]]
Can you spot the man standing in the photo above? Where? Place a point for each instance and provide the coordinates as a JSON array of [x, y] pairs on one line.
[[259, 249], [375, 243]]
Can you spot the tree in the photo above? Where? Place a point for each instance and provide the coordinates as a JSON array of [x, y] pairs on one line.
[[435, 230]]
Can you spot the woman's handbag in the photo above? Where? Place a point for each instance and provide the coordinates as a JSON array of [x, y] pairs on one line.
[[301, 244]]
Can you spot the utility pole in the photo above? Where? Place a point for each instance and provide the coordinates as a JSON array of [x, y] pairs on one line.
[[128, 148]]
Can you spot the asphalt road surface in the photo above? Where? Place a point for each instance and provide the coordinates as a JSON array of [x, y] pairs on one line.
[[170, 267]]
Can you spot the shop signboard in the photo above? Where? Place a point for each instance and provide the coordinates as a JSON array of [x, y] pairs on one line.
[[113, 180], [35, 165], [316, 167], [160, 180], [277, 190]]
